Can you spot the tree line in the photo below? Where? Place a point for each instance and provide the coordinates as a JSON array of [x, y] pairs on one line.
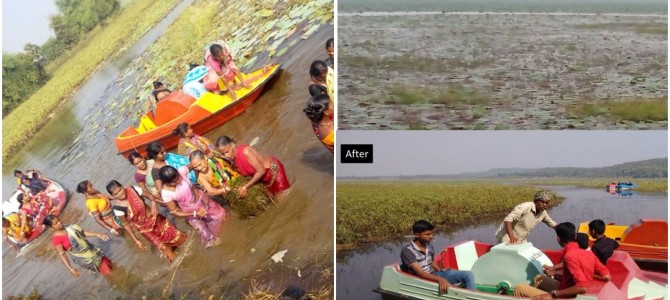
[[25, 72]]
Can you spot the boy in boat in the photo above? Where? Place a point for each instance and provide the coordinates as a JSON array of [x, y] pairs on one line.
[[418, 256], [580, 268], [603, 247], [583, 241], [517, 225]]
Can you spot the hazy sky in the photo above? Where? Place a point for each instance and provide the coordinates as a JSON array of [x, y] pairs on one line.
[[453, 152], [26, 21]]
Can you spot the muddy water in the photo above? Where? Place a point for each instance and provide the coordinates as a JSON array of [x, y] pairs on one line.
[[69, 151], [496, 70], [359, 272]]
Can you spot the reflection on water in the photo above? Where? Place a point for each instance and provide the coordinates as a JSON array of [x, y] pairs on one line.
[[359, 272], [69, 151]]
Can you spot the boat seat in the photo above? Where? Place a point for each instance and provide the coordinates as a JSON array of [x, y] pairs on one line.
[[146, 123], [172, 106]]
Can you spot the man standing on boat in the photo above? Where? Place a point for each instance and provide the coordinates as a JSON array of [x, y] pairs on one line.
[[525, 216], [418, 256]]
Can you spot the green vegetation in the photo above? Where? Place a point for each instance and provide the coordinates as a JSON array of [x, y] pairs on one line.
[[25, 72], [414, 63], [374, 211], [276, 28], [643, 28], [635, 110], [34, 295], [27, 118], [21, 76], [591, 6], [451, 94], [644, 184]]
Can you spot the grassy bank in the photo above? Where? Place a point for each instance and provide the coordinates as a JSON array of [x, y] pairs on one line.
[[374, 211], [644, 184], [635, 110], [25, 120]]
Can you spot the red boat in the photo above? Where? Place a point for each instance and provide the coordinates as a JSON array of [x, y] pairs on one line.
[[204, 114], [59, 197]]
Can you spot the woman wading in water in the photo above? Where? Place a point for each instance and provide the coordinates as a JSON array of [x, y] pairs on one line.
[[71, 239], [249, 162]]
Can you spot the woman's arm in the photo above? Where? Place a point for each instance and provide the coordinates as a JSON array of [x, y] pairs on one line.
[[230, 89], [129, 229], [66, 262], [95, 234], [175, 210], [239, 75], [252, 157], [24, 218], [98, 219], [209, 189]]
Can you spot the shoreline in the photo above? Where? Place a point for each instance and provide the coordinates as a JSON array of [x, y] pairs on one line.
[[34, 112]]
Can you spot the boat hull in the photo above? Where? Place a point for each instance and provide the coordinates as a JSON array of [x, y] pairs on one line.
[[202, 115], [59, 196], [646, 242], [628, 281]]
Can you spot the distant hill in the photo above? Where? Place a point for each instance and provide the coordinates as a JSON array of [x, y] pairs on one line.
[[650, 168]]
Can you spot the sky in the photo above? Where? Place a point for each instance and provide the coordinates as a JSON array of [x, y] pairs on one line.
[[454, 152], [26, 21]]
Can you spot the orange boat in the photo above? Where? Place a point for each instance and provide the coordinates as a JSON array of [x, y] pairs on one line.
[[646, 242], [204, 114]]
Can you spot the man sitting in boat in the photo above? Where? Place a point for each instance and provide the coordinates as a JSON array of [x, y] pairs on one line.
[[11, 227], [603, 247], [418, 256], [580, 268], [517, 225]]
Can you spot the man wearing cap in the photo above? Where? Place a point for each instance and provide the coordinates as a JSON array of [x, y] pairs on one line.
[[525, 216]]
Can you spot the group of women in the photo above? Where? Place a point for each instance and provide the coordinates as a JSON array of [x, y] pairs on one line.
[[320, 107], [191, 184]]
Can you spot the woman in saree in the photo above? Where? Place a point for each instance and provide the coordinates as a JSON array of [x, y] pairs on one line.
[[30, 210], [249, 162], [100, 208], [71, 239], [319, 110], [321, 79], [189, 142], [11, 227], [161, 158], [212, 179], [143, 167], [130, 208], [184, 200]]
